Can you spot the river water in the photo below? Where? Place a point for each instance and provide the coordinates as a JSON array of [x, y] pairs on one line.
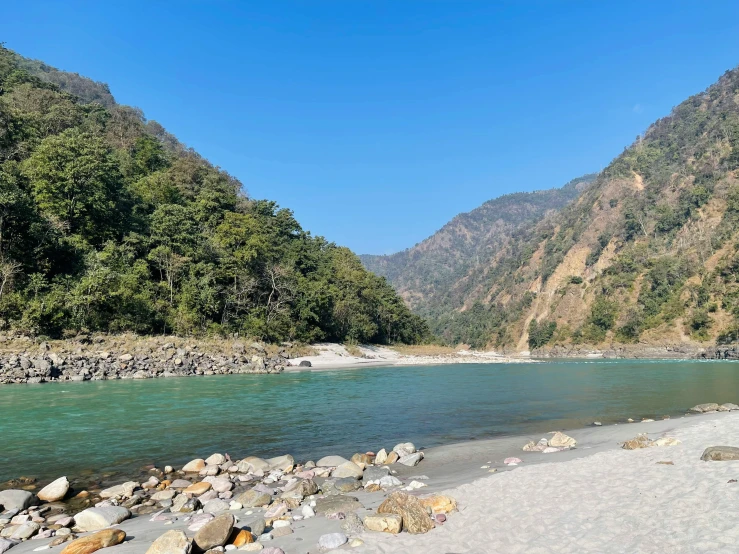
[[119, 426]]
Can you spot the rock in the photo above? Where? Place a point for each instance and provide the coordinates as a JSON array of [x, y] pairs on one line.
[[54, 491], [728, 407], [375, 473], [216, 505], [384, 523], [171, 542], [95, 542], [439, 503], [703, 408], [348, 469], [392, 457], [362, 460], [597, 423], [124, 490], [184, 505], [25, 531], [94, 519], [253, 499], [381, 457], [332, 540], [666, 441], [281, 531], [331, 461], [352, 524], [551, 450], [303, 488], [215, 532], [404, 449], [215, 460], [640, 441], [512, 461], [197, 489], [180, 484], [252, 464], [194, 466], [411, 459], [305, 363], [390, 481], [13, 499], [720, 454], [273, 550], [275, 511], [257, 526], [6, 544], [560, 440], [167, 494], [241, 537], [415, 517], [283, 463], [345, 484], [332, 505]]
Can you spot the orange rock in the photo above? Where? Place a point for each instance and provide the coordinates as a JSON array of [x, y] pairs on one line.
[[93, 543], [392, 458], [240, 537], [82, 494], [439, 503], [198, 488]]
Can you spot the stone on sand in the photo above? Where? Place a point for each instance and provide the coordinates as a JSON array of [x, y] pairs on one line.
[[94, 519], [720, 454], [381, 457], [171, 542], [703, 408], [54, 491], [348, 469], [13, 499], [197, 489], [95, 542], [415, 517], [334, 504], [253, 499], [215, 532], [439, 503], [384, 523], [411, 460], [240, 537], [330, 541], [283, 463], [404, 449], [560, 440]]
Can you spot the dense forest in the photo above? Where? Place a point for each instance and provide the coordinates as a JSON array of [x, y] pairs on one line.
[[108, 223], [648, 253]]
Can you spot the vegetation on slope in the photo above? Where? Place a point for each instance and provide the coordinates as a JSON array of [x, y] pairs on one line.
[[108, 223]]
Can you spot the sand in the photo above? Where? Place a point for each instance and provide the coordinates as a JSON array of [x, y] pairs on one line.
[[336, 356], [595, 498]]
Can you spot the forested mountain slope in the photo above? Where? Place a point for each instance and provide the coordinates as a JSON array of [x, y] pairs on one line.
[[648, 253], [108, 223]]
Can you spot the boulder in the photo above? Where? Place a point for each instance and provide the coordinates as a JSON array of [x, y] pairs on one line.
[[411, 459], [215, 532], [240, 537], [194, 466], [196, 489], [332, 540], [381, 457], [332, 505], [362, 460], [94, 519], [54, 491], [13, 499], [348, 469], [404, 449], [305, 363], [352, 524], [392, 457], [666, 441], [180, 484], [253, 499], [95, 542], [439, 503], [390, 481], [640, 441], [171, 542], [375, 473], [6, 544], [560, 440], [384, 523], [215, 459], [720, 454], [703, 408], [167, 494], [728, 407], [257, 526], [283, 463], [331, 461], [252, 464], [124, 490], [415, 517], [25, 531], [216, 506]]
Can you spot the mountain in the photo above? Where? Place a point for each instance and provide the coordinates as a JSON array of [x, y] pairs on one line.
[[647, 253], [446, 267], [109, 223]]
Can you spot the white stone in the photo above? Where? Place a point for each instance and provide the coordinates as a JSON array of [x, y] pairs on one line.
[[54, 491]]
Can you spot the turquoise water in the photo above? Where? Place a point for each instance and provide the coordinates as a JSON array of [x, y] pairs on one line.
[[119, 426]]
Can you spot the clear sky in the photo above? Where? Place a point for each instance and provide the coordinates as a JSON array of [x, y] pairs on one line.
[[377, 122]]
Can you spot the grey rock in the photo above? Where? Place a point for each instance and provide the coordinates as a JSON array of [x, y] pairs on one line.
[[25, 531], [257, 526], [703, 408], [215, 532], [94, 519], [332, 540], [720, 454], [253, 499], [13, 499], [348, 469], [352, 524], [373, 473], [411, 459], [171, 542], [6, 544], [331, 461], [332, 505], [216, 506]]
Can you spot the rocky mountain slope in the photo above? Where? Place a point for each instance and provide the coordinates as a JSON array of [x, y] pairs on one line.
[[647, 254]]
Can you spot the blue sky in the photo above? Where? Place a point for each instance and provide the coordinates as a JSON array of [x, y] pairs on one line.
[[377, 122]]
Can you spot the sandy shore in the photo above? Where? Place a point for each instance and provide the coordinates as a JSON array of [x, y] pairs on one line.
[[336, 356], [595, 498]]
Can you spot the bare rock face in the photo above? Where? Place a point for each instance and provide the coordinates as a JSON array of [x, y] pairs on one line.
[[384, 523], [720, 454], [93, 543], [415, 518]]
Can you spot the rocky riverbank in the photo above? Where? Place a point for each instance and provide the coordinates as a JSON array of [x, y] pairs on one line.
[[218, 504], [639, 351], [100, 358]]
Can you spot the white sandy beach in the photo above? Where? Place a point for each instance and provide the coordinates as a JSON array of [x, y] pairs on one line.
[[615, 501], [336, 356]]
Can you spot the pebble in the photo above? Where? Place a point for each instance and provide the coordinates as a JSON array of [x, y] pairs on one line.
[[332, 540]]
